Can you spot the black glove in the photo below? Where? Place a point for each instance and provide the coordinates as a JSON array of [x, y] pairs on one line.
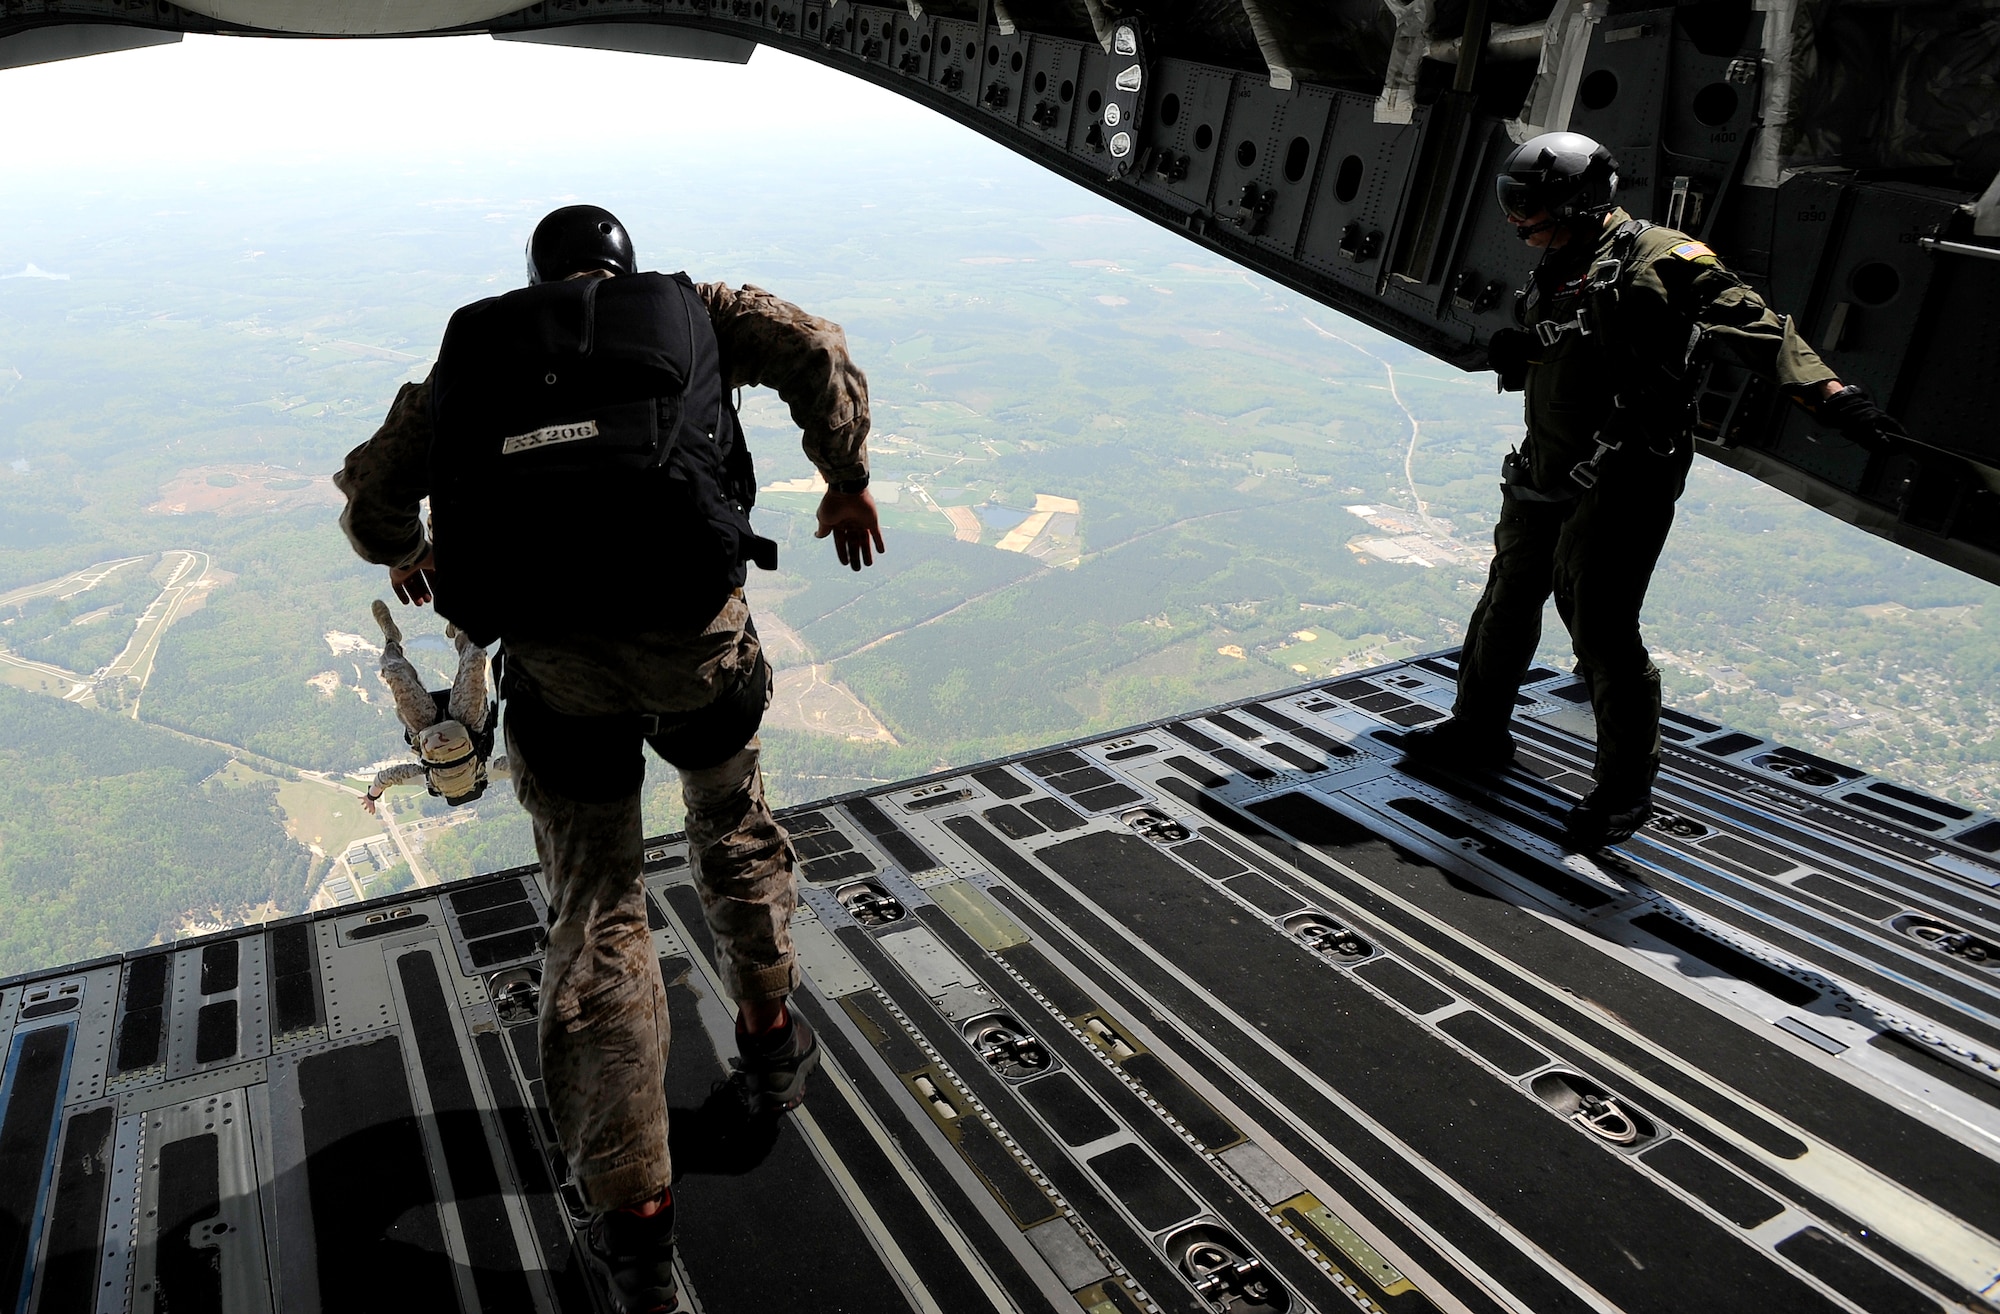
[[1509, 352], [1855, 414]]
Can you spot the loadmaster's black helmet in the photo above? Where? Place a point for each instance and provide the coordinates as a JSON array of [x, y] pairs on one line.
[[1565, 174], [575, 238]]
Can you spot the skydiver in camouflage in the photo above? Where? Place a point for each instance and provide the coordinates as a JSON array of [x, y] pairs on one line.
[[1615, 323], [589, 492]]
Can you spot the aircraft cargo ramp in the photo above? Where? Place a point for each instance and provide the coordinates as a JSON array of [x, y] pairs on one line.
[[1228, 1013]]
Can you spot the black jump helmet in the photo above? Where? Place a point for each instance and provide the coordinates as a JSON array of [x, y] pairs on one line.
[[575, 238], [1562, 174]]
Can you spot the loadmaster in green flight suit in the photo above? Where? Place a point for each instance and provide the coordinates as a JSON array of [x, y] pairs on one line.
[[1616, 322]]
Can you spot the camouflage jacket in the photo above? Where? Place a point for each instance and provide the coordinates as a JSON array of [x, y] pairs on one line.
[[1675, 288], [764, 341]]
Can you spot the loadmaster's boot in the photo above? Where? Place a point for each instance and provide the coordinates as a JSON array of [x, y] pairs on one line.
[[633, 1258], [1454, 744], [1603, 819], [771, 1072]]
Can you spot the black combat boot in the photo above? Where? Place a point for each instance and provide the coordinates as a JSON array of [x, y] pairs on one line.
[[1454, 744], [770, 1069], [1605, 818], [633, 1258]]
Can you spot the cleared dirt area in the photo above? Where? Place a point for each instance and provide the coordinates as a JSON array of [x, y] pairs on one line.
[[809, 698], [228, 490]]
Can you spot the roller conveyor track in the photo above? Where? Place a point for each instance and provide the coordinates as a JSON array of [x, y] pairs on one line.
[[1228, 1013]]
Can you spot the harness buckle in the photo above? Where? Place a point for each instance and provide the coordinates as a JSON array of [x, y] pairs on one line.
[[1586, 473], [649, 725], [1605, 273]]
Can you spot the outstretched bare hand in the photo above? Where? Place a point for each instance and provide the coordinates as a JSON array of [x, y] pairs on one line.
[[413, 583], [852, 520]]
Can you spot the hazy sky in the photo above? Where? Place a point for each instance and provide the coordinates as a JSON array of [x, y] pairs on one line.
[[248, 101]]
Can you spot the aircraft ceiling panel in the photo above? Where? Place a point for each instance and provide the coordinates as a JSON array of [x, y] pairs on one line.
[[1859, 213]]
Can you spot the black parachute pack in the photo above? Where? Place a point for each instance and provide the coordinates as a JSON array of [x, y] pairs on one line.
[[588, 474]]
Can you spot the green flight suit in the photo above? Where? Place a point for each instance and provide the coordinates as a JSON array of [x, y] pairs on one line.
[[1595, 549]]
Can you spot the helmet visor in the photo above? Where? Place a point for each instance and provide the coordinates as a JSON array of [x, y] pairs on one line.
[[1519, 200]]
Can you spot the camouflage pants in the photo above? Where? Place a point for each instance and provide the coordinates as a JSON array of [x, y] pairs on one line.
[[603, 1026], [414, 704]]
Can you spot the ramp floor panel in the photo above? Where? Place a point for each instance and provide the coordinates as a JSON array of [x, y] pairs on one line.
[[1236, 1013]]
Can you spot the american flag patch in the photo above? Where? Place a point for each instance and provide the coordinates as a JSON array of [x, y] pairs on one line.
[[1692, 251]]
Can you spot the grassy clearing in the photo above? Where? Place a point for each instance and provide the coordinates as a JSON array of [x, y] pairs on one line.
[[315, 812]]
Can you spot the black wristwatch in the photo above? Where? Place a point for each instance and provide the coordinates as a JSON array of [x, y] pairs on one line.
[[848, 485]]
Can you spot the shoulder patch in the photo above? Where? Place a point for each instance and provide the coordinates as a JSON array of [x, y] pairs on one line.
[[1692, 251]]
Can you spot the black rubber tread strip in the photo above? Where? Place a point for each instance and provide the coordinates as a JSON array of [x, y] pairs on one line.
[[375, 1216], [531, 1171], [1075, 782], [1192, 737], [890, 1108], [1113, 795], [1195, 771], [1263, 894], [294, 979], [1060, 990], [512, 946], [1869, 803], [1010, 821], [187, 1279], [1077, 1118], [1296, 1098], [37, 1061], [220, 964], [1001, 783], [838, 867], [497, 1272], [1154, 1198], [1178, 1098], [1493, 1042], [1745, 855], [1135, 1253], [930, 801], [1843, 895], [1234, 726], [820, 844], [1053, 813], [1757, 1067], [215, 1035], [656, 919], [1244, 763], [1050, 765], [885, 1033], [1852, 1275], [1293, 757], [1420, 1089], [1136, 750], [1721, 1190], [492, 921], [810, 1253], [902, 849], [1025, 1201], [50, 1007], [1207, 859], [76, 1215], [491, 895], [1398, 982], [908, 1219], [142, 1020]]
